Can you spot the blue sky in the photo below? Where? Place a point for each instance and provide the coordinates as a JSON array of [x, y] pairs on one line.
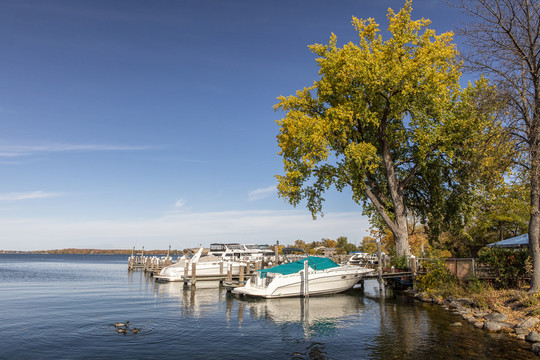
[[149, 123]]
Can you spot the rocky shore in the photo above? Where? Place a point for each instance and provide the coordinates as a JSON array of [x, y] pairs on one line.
[[515, 324]]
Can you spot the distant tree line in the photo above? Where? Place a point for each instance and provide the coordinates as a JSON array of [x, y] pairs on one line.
[[95, 252], [341, 245]]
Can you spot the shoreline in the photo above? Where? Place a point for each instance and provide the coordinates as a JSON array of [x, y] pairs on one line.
[[70, 251], [518, 324]]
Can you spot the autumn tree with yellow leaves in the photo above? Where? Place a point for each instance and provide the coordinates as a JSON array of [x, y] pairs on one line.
[[383, 114]]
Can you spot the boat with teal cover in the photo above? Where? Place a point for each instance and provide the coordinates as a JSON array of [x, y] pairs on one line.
[[306, 277], [315, 263]]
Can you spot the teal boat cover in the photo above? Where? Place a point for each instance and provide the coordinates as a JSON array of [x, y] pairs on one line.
[[316, 263]]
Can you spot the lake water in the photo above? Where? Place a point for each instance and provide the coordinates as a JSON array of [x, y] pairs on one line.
[[64, 307]]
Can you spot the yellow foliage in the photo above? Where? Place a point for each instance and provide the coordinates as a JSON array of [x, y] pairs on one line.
[[411, 71], [402, 92]]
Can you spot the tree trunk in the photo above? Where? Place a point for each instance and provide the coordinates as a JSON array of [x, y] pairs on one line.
[[401, 238], [534, 223], [401, 231], [399, 225]]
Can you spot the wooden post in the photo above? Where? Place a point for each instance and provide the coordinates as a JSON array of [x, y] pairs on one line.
[[229, 272], [379, 270], [306, 278], [276, 253], [193, 274], [221, 268], [241, 277]]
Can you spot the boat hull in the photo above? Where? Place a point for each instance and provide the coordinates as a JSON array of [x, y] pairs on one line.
[[170, 274], [323, 282]]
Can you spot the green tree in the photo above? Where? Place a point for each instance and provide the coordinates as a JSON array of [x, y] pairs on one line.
[[329, 243], [382, 115], [370, 248], [504, 212], [342, 241], [301, 244], [504, 42]]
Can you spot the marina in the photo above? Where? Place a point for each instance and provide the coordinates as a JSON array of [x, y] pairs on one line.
[[234, 269], [85, 295]]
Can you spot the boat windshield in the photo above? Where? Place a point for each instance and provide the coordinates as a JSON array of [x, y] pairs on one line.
[[217, 247], [294, 267]]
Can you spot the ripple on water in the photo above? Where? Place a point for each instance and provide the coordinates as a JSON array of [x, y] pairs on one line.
[[73, 316]]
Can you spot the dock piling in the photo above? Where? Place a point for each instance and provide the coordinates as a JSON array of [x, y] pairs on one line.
[[193, 274]]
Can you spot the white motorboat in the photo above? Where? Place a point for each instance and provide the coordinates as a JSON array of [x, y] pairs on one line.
[[358, 258], [306, 277], [244, 252], [207, 265]]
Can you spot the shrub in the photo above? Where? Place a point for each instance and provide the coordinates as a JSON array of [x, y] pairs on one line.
[[436, 277], [399, 262], [474, 285], [530, 301], [508, 266]]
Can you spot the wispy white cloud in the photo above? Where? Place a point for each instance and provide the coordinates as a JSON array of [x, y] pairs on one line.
[[181, 230], [263, 193], [16, 196], [10, 154], [23, 150], [179, 203]]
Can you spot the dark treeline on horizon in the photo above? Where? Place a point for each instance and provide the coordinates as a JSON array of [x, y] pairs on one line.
[[94, 252]]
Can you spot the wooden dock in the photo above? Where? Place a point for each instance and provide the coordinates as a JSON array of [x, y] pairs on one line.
[[153, 265], [388, 275], [149, 264]]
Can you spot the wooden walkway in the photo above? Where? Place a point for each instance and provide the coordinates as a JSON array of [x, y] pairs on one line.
[[388, 275], [153, 265]]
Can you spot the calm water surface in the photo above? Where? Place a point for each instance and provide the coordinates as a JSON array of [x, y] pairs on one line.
[[64, 307]]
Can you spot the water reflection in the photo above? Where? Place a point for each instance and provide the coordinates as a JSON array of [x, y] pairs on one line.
[[193, 301], [370, 324], [315, 315]]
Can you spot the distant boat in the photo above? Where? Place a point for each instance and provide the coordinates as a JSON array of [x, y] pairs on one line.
[[245, 252], [207, 265], [288, 280]]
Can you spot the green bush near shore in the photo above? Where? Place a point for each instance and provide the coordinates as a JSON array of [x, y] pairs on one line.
[[436, 279], [508, 267]]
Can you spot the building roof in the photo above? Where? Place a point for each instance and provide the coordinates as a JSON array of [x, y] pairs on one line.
[[517, 241]]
